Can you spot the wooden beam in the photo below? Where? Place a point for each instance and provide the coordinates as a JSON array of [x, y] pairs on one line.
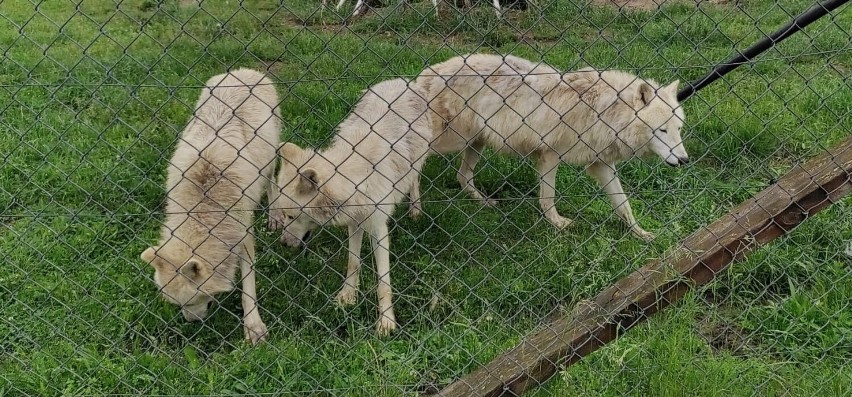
[[776, 210]]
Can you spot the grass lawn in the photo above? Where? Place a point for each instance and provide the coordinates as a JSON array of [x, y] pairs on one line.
[[93, 96]]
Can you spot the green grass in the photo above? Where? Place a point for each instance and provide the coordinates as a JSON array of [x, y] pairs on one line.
[[92, 99]]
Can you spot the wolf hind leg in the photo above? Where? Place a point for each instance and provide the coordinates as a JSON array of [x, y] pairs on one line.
[[470, 157], [547, 164]]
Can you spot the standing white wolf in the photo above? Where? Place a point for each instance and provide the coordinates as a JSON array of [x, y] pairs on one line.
[[361, 6], [216, 177], [589, 117], [374, 160]]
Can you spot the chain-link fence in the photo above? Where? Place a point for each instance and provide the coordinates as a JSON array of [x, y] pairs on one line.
[[112, 169]]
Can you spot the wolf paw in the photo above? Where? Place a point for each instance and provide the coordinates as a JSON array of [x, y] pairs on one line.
[[644, 235], [346, 297], [255, 332], [560, 222], [385, 325], [490, 203], [415, 211]]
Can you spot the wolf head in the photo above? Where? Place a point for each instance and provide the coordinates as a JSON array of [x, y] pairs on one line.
[[303, 199], [660, 120], [186, 280]]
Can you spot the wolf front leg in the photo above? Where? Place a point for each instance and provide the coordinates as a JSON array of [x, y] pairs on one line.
[[607, 178], [277, 220], [349, 293], [255, 329], [360, 6], [380, 241], [547, 165]]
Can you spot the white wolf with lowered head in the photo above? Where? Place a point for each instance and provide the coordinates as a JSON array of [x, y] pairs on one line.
[[223, 161], [589, 117], [373, 162]]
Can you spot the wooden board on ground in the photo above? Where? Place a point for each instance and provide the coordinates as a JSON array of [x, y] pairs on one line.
[[801, 193]]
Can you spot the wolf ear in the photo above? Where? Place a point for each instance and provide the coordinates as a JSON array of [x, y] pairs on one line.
[[672, 88], [149, 254], [191, 269], [205, 277], [289, 150], [308, 181], [646, 93]]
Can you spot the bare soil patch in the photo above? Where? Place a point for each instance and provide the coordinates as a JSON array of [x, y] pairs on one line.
[[650, 4]]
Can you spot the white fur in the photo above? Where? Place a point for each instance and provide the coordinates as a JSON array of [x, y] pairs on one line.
[[374, 161], [592, 118], [216, 177], [361, 7]]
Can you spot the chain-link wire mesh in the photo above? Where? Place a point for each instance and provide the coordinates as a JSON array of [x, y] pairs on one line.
[[107, 150]]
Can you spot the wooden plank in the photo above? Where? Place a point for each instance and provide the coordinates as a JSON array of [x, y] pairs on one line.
[[800, 194]]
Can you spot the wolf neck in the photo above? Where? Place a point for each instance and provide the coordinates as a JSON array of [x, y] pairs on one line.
[[347, 174], [201, 224], [628, 145], [201, 213], [347, 162]]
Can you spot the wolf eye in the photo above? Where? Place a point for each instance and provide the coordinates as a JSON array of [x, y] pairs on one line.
[[663, 130]]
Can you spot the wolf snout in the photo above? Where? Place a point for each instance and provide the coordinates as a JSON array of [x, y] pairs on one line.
[[677, 161], [197, 311], [196, 315], [191, 317], [295, 242], [290, 240]]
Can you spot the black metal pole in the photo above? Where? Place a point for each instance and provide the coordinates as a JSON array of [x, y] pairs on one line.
[[804, 19]]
